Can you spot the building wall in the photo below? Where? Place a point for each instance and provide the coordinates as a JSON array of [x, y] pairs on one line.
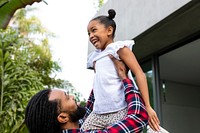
[[181, 108], [180, 91], [135, 16]]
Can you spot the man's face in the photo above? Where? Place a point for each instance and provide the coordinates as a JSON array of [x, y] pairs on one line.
[[67, 104]]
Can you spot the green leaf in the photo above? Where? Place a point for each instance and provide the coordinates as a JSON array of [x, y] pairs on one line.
[[17, 125], [2, 2], [1, 52], [0, 42], [6, 56], [7, 66]]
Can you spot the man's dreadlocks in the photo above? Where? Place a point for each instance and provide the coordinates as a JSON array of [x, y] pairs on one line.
[[41, 114]]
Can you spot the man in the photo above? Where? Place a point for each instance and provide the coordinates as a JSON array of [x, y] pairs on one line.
[[53, 110]]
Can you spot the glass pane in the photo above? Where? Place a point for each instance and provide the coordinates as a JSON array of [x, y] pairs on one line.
[[147, 68], [149, 77]]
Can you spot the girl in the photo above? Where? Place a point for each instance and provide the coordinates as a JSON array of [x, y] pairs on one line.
[[110, 105]]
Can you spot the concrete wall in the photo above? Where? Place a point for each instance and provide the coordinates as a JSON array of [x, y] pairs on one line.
[[135, 16], [181, 109]]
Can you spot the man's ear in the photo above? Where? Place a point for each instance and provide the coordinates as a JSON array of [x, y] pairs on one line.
[[63, 117]]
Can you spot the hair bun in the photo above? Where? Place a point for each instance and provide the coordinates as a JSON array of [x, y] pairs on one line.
[[111, 13]]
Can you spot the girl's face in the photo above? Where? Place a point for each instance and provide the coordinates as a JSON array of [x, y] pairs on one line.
[[99, 35]]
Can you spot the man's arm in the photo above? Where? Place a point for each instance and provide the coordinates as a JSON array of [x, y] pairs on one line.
[[88, 107], [136, 119], [89, 104]]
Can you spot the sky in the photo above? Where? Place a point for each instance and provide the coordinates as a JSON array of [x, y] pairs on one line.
[[68, 19]]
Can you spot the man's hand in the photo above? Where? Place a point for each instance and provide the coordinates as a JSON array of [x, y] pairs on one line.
[[120, 68]]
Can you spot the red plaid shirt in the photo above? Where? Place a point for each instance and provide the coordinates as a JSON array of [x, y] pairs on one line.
[[136, 118]]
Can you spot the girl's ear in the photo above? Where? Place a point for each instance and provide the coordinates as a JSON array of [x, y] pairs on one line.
[[110, 30], [63, 117]]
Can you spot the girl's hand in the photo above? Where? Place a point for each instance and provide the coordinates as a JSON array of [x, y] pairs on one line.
[[153, 119]]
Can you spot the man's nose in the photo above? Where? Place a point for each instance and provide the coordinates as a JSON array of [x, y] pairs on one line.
[[71, 97]]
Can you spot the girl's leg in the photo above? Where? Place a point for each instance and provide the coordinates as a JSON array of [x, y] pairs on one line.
[[101, 121]]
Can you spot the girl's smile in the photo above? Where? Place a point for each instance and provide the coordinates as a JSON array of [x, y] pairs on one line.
[[99, 35]]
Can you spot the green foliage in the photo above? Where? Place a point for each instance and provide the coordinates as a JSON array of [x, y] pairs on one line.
[[36, 46], [26, 66], [3, 2], [98, 4], [83, 103], [18, 81]]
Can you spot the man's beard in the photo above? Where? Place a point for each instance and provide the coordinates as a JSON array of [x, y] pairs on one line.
[[78, 114]]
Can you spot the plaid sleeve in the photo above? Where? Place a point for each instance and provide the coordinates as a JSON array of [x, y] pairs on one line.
[[71, 131], [88, 107], [136, 118]]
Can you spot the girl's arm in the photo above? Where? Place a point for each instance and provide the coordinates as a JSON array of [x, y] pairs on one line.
[[127, 56]]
